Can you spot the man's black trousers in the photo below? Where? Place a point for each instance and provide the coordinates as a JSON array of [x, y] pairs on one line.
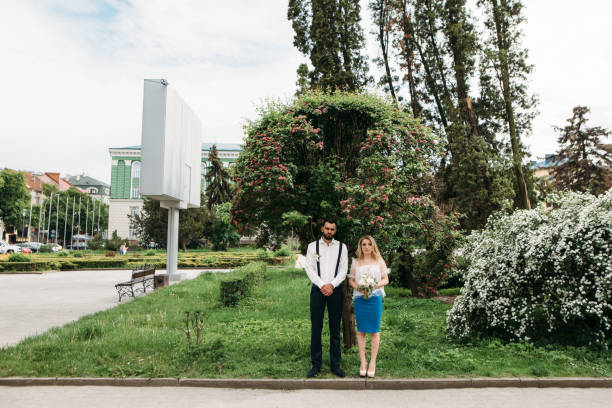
[[334, 312]]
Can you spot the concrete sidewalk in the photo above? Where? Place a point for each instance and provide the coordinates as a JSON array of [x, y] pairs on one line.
[[32, 304], [178, 397]]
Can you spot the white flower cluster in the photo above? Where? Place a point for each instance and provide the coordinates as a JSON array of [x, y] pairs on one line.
[[540, 273], [367, 283]]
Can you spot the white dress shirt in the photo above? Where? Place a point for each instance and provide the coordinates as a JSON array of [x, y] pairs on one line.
[[328, 256]]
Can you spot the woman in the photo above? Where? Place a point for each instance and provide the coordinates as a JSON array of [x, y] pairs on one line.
[[368, 311]]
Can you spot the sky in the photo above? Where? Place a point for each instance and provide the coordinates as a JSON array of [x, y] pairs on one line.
[[72, 71]]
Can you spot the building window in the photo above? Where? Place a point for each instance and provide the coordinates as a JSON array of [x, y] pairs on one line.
[[135, 191], [93, 191], [136, 169], [132, 232]]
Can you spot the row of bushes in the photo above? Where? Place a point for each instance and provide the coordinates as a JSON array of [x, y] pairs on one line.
[[233, 290], [127, 263]]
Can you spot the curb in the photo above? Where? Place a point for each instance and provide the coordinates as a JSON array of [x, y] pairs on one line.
[[301, 384]]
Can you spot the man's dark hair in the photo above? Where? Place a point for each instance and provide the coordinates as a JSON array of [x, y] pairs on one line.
[[330, 221]]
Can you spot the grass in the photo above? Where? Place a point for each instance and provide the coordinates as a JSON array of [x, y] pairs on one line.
[[268, 336]]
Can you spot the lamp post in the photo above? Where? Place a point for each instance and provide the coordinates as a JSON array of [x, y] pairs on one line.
[[23, 214]]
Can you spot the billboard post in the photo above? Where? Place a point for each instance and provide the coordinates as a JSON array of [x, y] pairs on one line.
[[171, 157]]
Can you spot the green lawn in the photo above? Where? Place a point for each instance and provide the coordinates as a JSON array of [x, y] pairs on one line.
[[267, 335]]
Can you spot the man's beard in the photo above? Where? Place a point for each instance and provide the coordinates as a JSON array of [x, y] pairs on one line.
[[328, 237]]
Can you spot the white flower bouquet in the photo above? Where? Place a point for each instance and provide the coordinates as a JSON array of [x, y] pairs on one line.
[[367, 284]]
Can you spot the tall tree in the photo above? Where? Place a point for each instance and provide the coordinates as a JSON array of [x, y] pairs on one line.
[[14, 197], [504, 59], [381, 13], [329, 33], [218, 189], [583, 162]]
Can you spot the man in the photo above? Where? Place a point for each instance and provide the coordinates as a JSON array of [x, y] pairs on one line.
[[326, 266]]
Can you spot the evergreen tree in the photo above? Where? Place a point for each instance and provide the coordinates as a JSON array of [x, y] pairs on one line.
[[329, 33], [217, 181], [583, 163], [503, 81]]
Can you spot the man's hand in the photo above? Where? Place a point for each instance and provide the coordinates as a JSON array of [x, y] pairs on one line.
[[327, 289]]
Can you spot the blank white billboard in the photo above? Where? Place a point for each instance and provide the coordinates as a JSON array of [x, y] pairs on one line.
[[171, 147]]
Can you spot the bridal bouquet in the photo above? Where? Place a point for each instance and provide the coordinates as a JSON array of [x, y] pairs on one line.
[[368, 283]]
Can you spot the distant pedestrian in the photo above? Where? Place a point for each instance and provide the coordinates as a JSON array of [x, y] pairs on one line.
[[123, 249]]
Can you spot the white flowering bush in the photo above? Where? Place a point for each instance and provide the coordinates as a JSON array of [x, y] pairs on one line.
[[540, 274]]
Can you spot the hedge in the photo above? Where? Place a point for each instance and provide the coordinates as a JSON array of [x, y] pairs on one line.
[[232, 290], [101, 262]]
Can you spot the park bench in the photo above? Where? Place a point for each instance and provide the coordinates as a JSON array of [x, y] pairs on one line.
[[142, 279]]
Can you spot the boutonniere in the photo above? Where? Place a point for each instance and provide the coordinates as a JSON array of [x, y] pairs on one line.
[[317, 257]]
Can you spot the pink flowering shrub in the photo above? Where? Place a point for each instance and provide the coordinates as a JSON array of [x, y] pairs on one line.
[[355, 158]]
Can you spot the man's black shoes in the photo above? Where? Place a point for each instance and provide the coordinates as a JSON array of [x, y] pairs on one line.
[[314, 371], [337, 371]]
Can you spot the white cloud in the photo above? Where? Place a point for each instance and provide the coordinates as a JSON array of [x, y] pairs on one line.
[[75, 81]]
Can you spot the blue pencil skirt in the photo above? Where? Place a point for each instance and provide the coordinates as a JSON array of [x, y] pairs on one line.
[[368, 313]]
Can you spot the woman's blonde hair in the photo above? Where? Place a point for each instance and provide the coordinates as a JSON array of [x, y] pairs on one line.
[[375, 251]]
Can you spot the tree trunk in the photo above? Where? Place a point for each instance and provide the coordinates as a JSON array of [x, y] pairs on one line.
[[408, 53], [349, 335], [505, 76], [383, 36]]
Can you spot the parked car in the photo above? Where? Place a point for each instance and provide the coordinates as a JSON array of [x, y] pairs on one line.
[[24, 248], [34, 246], [6, 248], [78, 245]]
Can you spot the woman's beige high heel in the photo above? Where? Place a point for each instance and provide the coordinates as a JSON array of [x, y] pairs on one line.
[[362, 373], [371, 373]]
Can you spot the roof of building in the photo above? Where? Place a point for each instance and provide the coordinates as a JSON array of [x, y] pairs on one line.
[[205, 147], [84, 180]]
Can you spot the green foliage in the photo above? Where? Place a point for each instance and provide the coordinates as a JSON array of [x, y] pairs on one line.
[[45, 248], [62, 254], [223, 233], [150, 252], [151, 224], [19, 258], [78, 254], [114, 242], [329, 33], [96, 243], [233, 290], [14, 197], [284, 251], [217, 181]]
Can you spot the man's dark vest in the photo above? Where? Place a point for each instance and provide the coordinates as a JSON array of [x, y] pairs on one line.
[[337, 262]]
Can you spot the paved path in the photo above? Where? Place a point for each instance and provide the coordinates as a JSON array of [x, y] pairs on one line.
[[32, 304], [179, 397]]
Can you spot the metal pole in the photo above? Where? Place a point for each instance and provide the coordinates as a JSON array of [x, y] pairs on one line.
[[57, 219], [93, 216], [39, 219], [30, 220], [49, 222], [72, 222], [65, 220], [172, 243], [99, 207], [86, 214], [44, 219], [79, 224]]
